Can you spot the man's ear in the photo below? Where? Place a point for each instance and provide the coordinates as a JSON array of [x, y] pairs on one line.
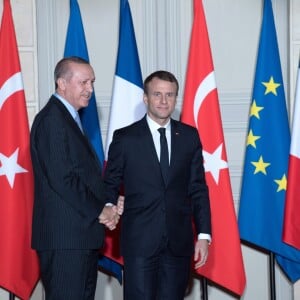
[[145, 98], [61, 83]]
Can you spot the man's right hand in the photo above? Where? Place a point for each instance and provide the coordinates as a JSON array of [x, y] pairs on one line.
[[109, 217]]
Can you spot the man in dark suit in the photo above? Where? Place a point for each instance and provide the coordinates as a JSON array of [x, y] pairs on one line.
[[165, 193], [69, 205]]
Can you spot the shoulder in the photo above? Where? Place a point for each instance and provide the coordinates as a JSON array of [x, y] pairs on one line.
[[52, 115], [132, 128], [178, 125], [53, 108], [187, 134]]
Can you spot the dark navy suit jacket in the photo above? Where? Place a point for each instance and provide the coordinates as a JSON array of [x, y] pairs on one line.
[[69, 190], [154, 210]]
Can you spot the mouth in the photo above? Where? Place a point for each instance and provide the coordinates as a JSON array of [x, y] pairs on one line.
[[163, 108], [87, 97]]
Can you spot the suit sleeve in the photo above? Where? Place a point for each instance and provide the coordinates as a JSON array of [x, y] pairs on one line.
[[198, 190], [113, 175]]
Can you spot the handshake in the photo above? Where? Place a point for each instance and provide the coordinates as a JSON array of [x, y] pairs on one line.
[[110, 214]]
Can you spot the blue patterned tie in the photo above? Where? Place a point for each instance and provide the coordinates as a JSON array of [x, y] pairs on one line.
[[164, 154]]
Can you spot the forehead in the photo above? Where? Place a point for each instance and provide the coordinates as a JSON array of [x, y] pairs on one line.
[[82, 71], [157, 84]]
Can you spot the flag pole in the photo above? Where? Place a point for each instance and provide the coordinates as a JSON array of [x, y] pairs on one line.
[[272, 275], [11, 296], [204, 294]]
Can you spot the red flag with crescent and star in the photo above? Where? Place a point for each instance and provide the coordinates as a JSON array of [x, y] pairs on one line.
[[201, 109], [19, 265]]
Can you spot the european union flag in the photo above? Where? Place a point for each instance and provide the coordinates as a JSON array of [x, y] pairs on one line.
[[76, 46], [267, 150]]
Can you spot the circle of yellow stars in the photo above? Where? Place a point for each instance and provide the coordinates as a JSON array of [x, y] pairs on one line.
[[260, 165]]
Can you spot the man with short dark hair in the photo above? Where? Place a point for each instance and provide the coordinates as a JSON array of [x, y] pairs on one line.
[[69, 204], [159, 161]]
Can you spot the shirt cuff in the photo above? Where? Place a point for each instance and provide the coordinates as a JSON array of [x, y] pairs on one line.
[[204, 236]]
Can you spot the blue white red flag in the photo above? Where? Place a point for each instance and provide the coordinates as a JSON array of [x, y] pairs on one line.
[[127, 99]]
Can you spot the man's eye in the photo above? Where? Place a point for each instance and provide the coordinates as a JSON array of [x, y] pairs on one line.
[[170, 95], [86, 82]]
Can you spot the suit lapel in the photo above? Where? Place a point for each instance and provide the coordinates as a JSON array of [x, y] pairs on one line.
[[147, 140], [175, 144]]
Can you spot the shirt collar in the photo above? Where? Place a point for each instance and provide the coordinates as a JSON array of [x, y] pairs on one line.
[[68, 106], [154, 126]]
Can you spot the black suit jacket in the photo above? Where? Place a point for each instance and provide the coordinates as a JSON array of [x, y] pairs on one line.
[[154, 210], [69, 191]]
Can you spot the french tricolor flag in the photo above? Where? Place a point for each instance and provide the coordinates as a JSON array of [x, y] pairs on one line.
[[127, 99], [127, 104], [291, 229]]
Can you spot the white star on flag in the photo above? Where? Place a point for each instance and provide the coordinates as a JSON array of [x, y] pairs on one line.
[[213, 163], [9, 167]]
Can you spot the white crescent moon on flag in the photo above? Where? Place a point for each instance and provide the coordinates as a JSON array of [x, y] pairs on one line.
[[213, 162], [10, 86], [207, 85]]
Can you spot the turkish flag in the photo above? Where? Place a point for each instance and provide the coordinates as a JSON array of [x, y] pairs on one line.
[[19, 271], [291, 228], [201, 110]]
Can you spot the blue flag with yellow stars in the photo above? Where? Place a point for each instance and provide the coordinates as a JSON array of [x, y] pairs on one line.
[[267, 151]]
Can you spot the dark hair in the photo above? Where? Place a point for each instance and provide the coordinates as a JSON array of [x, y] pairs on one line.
[[163, 75], [63, 69]]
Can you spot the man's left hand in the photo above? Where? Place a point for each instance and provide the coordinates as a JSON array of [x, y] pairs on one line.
[[201, 253]]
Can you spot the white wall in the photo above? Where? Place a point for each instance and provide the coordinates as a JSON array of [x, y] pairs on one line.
[[162, 31]]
